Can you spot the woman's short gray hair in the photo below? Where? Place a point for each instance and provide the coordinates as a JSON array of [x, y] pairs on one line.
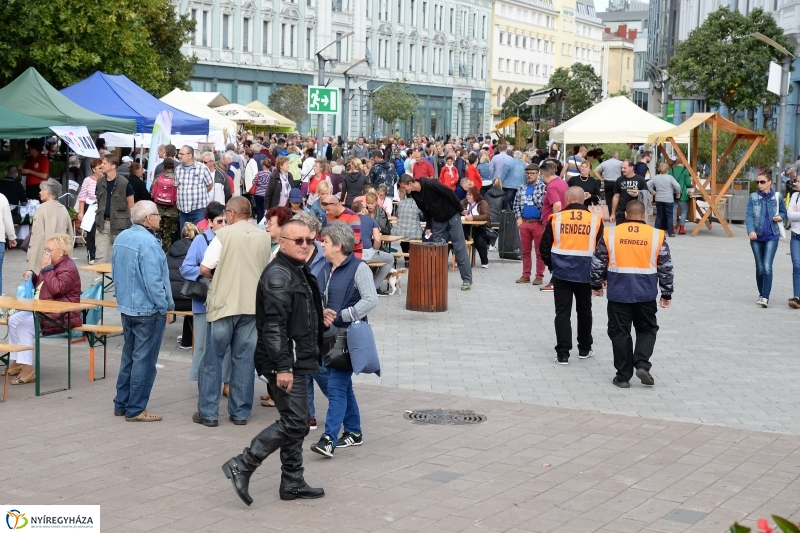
[[309, 220], [340, 233], [517, 154], [141, 209], [52, 187]]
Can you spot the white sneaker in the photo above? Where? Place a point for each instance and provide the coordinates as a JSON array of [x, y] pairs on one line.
[[492, 248], [485, 266], [763, 302]]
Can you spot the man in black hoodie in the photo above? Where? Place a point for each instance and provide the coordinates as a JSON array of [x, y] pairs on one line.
[[382, 173]]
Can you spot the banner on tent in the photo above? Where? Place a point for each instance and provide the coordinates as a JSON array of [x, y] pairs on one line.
[[160, 135], [78, 140]]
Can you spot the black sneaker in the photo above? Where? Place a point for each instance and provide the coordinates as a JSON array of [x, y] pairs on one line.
[[324, 447], [560, 361], [585, 355], [382, 292], [197, 418], [645, 376], [621, 384], [349, 438]]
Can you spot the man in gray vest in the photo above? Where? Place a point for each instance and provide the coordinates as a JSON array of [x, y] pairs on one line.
[[234, 261], [114, 202]]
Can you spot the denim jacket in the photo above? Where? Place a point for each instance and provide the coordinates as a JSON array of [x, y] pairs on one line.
[[756, 204], [141, 278]]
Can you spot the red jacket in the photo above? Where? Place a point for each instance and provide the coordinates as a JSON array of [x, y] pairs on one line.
[[474, 176], [62, 283], [449, 176]]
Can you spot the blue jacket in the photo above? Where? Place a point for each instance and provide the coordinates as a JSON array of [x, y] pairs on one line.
[[319, 265], [513, 174], [141, 277], [190, 269], [756, 203]]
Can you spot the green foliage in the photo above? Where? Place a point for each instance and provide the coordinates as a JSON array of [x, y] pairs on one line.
[[394, 102], [785, 525], [737, 528], [582, 85], [290, 101], [721, 59], [509, 108], [68, 40], [621, 92], [765, 154], [625, 151]]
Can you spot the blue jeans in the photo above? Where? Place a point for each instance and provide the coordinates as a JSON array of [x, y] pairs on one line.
[[342, 404], [794, 247], [764, 254], [684, 205], [137, 368], [322, 382], [238, 333], [200, 333], [664, 216], [192, 216]]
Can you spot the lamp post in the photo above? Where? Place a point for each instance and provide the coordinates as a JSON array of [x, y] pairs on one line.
[[321, 81], [784, 91], [346, 107], [372, 108]]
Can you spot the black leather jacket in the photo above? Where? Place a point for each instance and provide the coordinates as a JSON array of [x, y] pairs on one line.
[[288, 319]]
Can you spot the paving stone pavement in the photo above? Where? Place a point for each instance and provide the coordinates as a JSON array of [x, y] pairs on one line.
[[554, 454]]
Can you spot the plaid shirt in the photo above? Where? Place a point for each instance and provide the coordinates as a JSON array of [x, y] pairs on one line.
[[539, 189], [192, 183]]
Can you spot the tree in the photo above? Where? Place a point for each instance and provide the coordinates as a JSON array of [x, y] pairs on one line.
[[722, 60], [68, 40], [520, 97], [582, 85], [622, 92], [394, 102], [290, 101]]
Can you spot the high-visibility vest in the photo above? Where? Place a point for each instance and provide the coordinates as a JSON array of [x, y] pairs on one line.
[[633, 261], [574, 241]]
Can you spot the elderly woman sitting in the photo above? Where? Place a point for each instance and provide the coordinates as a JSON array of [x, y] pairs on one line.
[[58, 280], [50, 219]]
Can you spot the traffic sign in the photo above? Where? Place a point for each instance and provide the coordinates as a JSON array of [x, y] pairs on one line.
[[323, 100]]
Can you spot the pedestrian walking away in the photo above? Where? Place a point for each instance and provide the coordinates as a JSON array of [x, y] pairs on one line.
[[568, 244], [635, 261], [289, 349]]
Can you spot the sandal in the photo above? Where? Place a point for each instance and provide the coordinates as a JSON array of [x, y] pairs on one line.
[[12, 371], [265, 397], [268, 403], [225, 390], [23, 380]]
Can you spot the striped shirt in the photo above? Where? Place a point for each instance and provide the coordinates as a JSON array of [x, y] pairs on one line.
[[351, 219], [86, 194]]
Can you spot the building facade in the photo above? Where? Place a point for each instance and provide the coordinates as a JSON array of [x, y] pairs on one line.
[[247, 49], [617, 63], [532, 38]]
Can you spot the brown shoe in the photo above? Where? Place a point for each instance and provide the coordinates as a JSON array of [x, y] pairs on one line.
[[268, 403], [524, 279], [144, 416], [225, 390], [537, 281]]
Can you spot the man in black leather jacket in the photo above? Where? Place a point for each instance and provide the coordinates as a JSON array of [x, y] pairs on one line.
[[290, 326]]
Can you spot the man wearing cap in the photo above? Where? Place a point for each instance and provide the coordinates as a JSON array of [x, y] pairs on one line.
[[528, 210], [634, 259], [567, 247], [124, 168]]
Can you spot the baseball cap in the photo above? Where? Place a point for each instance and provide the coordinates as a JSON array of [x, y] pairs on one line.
[[127, 159], [295, 196]]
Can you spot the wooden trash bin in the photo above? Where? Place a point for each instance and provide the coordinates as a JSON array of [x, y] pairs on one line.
[[427, 277]]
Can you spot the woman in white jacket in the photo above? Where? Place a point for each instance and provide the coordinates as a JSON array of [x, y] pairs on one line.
[[793, 214], [250, 169]]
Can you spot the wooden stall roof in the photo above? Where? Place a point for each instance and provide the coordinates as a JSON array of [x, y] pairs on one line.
[[698, 119]]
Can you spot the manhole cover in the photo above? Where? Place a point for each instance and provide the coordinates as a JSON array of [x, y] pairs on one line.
[[444, 416]]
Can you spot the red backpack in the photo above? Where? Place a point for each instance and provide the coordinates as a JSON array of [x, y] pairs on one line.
[[164, 191]]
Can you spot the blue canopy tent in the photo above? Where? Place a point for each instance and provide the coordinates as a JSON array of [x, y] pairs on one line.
[[117, 96]]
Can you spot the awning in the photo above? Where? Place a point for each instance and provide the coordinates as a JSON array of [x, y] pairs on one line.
[[695, 120], [283, 122], [506, 123]]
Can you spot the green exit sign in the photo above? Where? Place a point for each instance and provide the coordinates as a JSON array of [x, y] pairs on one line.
[[323, 100]]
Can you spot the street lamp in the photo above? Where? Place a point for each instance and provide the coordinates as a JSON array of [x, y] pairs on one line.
[[784, 91], [346, 110], [321, 81], [372, 108]]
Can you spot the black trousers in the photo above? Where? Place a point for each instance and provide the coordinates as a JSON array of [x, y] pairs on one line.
[[563, 293], [91, 249], [286, 434], [478, 241], [643, 317], [608, 192], [182, 304]]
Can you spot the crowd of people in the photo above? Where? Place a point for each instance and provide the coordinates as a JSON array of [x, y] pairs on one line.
[[302, 224]]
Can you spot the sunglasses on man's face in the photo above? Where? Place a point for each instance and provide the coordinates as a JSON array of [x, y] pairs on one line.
[[324, 204], [761, 182], [299, 241]]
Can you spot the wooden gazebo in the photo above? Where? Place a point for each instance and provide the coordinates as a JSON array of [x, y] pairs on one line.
[[714, 193]]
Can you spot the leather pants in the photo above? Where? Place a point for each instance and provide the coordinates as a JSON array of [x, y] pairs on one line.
[[287, 433]]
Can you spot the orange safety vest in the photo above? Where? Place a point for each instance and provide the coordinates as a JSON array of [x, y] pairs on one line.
[[633, 261], [574, 241]]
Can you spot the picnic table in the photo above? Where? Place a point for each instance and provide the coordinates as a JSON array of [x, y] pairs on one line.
[[104, 269], [39, 308]]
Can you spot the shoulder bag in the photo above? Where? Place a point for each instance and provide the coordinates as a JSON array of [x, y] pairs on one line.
[[361, 344], [198, 289]]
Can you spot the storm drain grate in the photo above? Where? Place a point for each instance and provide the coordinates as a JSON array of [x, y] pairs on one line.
[[444, 416]]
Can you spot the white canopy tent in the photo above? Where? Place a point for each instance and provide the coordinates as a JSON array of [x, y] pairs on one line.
[[614, 120], [210, 99], [246, 115], [186, 101], [142, 140]]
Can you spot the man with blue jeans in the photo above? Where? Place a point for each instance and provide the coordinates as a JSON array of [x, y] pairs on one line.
[[194, 181], [234, 261], [143, 302]]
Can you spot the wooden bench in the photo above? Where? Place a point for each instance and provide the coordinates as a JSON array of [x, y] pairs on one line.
[[175, 314], [470, 252], [6, 350], [376, 265], [99, 303], [97, 333]]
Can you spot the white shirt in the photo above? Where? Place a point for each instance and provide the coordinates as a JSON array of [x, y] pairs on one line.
[[212, 255]]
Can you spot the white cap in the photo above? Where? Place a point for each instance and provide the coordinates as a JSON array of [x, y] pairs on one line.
[[127, 159]]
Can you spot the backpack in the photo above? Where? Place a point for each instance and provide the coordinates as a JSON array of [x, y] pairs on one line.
[[164, 191]]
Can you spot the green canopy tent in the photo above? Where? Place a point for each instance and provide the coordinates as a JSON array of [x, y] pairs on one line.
[[31, 95], [15, 125]]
